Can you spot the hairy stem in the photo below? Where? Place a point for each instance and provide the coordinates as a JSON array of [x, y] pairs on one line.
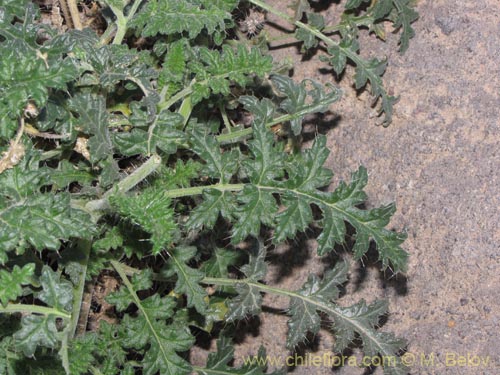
[[126, 184], [122, 20], [329, 308], [84, 246], [353, 56], [34, 309], [75, 14], [203, 370], [161, 343], [71, 14]]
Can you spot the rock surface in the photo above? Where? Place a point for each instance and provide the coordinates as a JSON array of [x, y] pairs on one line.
[[440, 162]]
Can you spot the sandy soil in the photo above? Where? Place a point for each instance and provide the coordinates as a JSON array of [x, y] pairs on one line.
[[439, 161]]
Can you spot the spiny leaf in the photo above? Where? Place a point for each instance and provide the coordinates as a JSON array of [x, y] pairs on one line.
[[310, 41], [304, 317], [247, 302], [122, 298], [262, 110], [29, 78], [68, 173], [81, 353], [206, 213], [41, 220], [36, 331], [174, 66], [218, 165], [111, 240], [366, 71], [161, 131], [249, 298], [256, 206], [361, 319], [215, 71], [400, 12], [298, 182], [13, 8], [93, 120], [337, 57], [217, 265], [164, 340], [300, 190], [219, 362], [152, 211], [148, 331], [109, 349], [256, 268], [188, 278], [180, 175], [296, 95], [403, 16], [56, 292], [267, 160], [179, 16], [11, 282]]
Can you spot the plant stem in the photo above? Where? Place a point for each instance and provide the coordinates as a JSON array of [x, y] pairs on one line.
[[161, 343], [181, 94], [225, 118], [107, 35], [126, 184], [262, 287], [84, 246], [318, 34], [122, 20], [95, 370], [34, 309], [121, 26], [204, 370], [329, 308], [75, 15], [197, 190]]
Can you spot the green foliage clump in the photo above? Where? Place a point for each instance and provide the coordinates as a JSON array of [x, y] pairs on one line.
[[154, 152]]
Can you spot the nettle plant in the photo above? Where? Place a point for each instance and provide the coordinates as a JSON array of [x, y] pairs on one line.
[[150, 159]]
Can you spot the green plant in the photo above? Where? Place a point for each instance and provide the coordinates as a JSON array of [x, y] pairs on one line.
[[125, 154]]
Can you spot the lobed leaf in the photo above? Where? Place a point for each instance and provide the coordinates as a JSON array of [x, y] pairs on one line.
[[56, 292], [152, 211], [218, 165], [403, 16], [249, 298], [30, 78], [178, 16], [188, 278], [11, 282], [93, 120], [219, 362], [304, 316], [148, 331], [215, 71], [217, 265], [157, 133], [314, 20], [42, 221], [300, 102], [266, 168], [36, 331]]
